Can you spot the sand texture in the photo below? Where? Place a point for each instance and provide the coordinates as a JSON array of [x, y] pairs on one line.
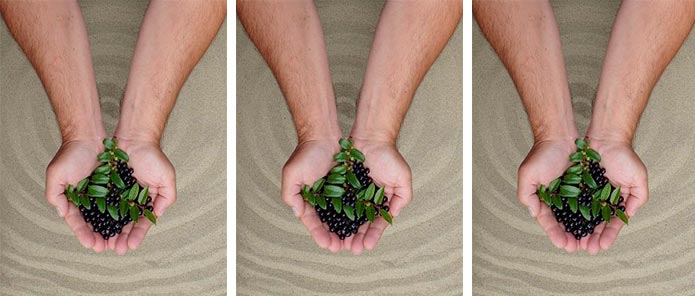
[[654, 255], [186, 253], [421, 253]]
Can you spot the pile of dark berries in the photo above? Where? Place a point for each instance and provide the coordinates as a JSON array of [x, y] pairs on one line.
[[347, 197], [111, 198], [583, 197]]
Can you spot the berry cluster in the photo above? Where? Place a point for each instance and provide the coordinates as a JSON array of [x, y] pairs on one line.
[[347, 197], [583, 197], [111, 197]]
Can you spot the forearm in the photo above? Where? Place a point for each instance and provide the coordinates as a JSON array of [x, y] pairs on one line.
[[53, 36], [526, 38], [173, 37], [288, 35], [645, 37], [409, 37]]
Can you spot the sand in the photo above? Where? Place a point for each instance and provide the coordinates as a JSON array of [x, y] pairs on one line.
[[421, 254], [654, 255], [186, 253]]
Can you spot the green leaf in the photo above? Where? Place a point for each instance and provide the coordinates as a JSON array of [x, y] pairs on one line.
[[345, 144], [606, 212], [305, 190], [554, 185], [576, 157], [133, 192], [318, 185], [592, 154], [71, 195], [116, 179], [379, 196], [357, 155], [359, 208], [321, 200], [339, 169], [621, 215], [586, 212], [125, 193], [104, 157], [572, 201], [333, 191], [571, 179], [120, 154], [352, 179], [544, 196], [84, 200], [100, 179], [369, 193], [142, 196], [70, 188], [311, 198], [97, 191], [101, 203], [150, 216], [595, 208], [575, 169], [76, 200], [109, 144], [589, 180], [569, 191], [336, 179], [349, 212], [596, 194], [113, 211], [337, 204], [123, 207], [615, 196], [370, 213], [134, 213], [605, 192], [581, 144], [82, 185], [542, 188], [557, 202], [104, 169], [386, 216], [340, 156], [360, 195]]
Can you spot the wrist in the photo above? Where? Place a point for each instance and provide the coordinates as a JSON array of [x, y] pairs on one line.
[[91, 130], [319, 132], [609, 123], [132, 133]]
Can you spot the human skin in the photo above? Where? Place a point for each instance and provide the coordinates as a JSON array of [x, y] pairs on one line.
[[53, 36], [165, 54], [408, 39]]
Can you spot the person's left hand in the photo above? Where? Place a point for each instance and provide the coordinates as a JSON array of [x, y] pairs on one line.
[[389, 170], [151, 168], [624, 169]]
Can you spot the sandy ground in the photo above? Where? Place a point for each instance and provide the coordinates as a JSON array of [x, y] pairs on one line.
[[421, 254], [186, 253], [654, 255]]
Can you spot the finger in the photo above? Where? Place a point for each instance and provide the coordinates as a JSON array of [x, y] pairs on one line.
[[137, 234], [347, 242], [374, 233], [594, 246], [55, 192], [111, 243], [610, 233], [80, 228], [99, 243], [290, 194], [572, 244], [122, 242], [165, 197], [584, 242], [402, 196], [551, 227], [313, 224], [526, 193], [358, 242], [639, 195], [336, 243]]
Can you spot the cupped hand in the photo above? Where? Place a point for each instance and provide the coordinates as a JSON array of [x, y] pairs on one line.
[[546, 161], [624, 169], [74, 161], [311, 160], [151, 168], [390, 171]]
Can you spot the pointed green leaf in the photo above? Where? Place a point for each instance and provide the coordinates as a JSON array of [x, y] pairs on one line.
[[142, 196], [369, 193], [104, 169], [150, 216], [321, 200], [120, 154], [370, 213], [311, 198], [305, 190], [572, 201], [124, 195], [621, 215], [357, 155], [615, 196], [581, 144], [101, 204], [359, 208], [349, 212], [554, 185], [82, 185], [123, 207], [571, 179], [134, 213], [605, 192], [113, 211], [336, 179], [596, 194], [360, 195], [70, 188], [71, 195], [339, 169], [606, 212], [344, 144], [318, 185], [97, 191], [84, 200], [595, 208], [134, 191], [116, 179], [340, 157], [576, 169], [589, 180], [586, 212], [76, 201], [337, 204], [386, 216], [569, 191], [100, 179], [109, 144], [379, 196], [593, 155], [545, 197], [104, 157], [557, 202], [576, 157], [542, 188], [333, 191], [352, 179]]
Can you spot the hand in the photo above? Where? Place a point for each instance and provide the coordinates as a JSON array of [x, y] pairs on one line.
[[74, 161], [151, 168], [624, 169], [389, 170], [546, 161], [310, 161]]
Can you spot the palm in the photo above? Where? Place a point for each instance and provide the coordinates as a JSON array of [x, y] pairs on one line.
[[624, 169], [153, 169], [389, 170], [545, 162], [73, 162]]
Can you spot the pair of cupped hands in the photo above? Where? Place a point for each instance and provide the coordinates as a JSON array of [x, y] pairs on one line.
[[549, 159], [313, 158], [77, 158]]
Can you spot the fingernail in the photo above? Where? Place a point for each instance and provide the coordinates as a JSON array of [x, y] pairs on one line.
[[530, 211], [296, 211], [60, 212]]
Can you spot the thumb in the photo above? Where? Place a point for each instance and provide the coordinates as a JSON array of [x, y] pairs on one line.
[[55, 193], [290, 195], [526, 193]]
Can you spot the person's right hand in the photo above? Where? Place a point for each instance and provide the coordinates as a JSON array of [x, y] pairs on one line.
[[310, 161], [546, 161], [74, 161]]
